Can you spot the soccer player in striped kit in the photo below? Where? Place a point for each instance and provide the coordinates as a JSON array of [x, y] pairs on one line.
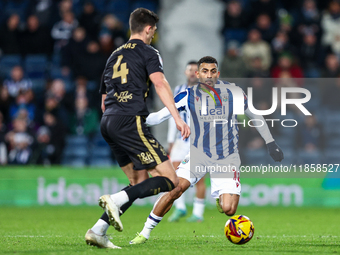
[[211, 143]]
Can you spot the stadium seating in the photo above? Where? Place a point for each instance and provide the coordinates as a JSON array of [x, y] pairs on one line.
[[98, 140], [331, 119], [332, 156], [100, 5], [18, 7], [56, 60], [309, 157], [92, 86], [75, 162], [38, 85], [81, 151], [313, 104], [121, 9], [285, 142], [7, 62], [239, 35], [100, 151], [312, 73], [2, 15], [151, 5], [102, 162], [75, 151], [77, 140], [36, 66], [333, 143], [255, 157]]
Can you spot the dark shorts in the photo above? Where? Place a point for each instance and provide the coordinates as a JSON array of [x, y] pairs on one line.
[[131, 141]]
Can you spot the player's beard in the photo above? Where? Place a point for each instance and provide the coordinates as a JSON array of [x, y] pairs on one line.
[[210, 82]]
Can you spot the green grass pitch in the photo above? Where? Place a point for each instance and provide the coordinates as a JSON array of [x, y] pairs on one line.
[[61, 230]]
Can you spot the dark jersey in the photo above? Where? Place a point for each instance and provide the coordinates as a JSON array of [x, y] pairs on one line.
[[125, 78]]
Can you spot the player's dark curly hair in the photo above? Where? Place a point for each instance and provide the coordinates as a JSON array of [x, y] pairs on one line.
[[140, 18], [207, 59], [192, 62]]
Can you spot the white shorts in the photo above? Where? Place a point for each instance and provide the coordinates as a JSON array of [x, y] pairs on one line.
[[179, 150], [219, 185]]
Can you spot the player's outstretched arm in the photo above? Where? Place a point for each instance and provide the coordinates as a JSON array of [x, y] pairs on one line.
[[273, 149], [165, 94], [156, 118]]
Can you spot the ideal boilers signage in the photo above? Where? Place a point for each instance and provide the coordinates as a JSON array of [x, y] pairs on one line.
[[73, 193], [78, 192], [69, 187]]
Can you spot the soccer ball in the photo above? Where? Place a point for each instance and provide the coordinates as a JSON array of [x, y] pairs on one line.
[[239, 229]]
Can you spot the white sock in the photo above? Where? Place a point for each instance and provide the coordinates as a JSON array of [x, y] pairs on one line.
[[151, 222], [198, 207], [100, 227], [180, 203], [120, 198]]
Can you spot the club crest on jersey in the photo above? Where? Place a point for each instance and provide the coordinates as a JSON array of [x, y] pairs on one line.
[[225, 98], [186, 160]]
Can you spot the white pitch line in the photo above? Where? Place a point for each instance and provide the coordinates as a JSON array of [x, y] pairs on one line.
[[30, 236], [284, 236], [295, 236], [210, 236]]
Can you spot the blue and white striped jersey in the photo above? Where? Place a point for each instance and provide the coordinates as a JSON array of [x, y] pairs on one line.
[[215, 138], [173, 133]]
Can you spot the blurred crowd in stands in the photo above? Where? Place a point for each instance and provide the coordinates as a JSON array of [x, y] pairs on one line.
[[52, 54], [293, 41]]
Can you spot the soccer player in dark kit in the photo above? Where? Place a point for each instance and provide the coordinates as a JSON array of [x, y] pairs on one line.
[[124, 89]]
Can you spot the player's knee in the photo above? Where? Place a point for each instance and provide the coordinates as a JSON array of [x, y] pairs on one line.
[[229, 209], [174, 180], [142, 176], [176, 193], [133, 181], [200, 184]]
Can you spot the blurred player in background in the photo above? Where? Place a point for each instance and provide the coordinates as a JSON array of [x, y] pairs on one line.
[[178, 148], [211, 144], [124, 88]]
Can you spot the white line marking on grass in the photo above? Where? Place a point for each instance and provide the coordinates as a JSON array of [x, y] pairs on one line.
[[30, 236], [298, 236], [211, 236], [285, 236]]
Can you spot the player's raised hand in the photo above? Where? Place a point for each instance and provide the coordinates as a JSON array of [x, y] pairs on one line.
[[275, 151], [184, 128]]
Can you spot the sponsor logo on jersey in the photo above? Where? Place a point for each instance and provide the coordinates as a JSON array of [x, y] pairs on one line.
[[213, 114], [145, 158], [123, 97]]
